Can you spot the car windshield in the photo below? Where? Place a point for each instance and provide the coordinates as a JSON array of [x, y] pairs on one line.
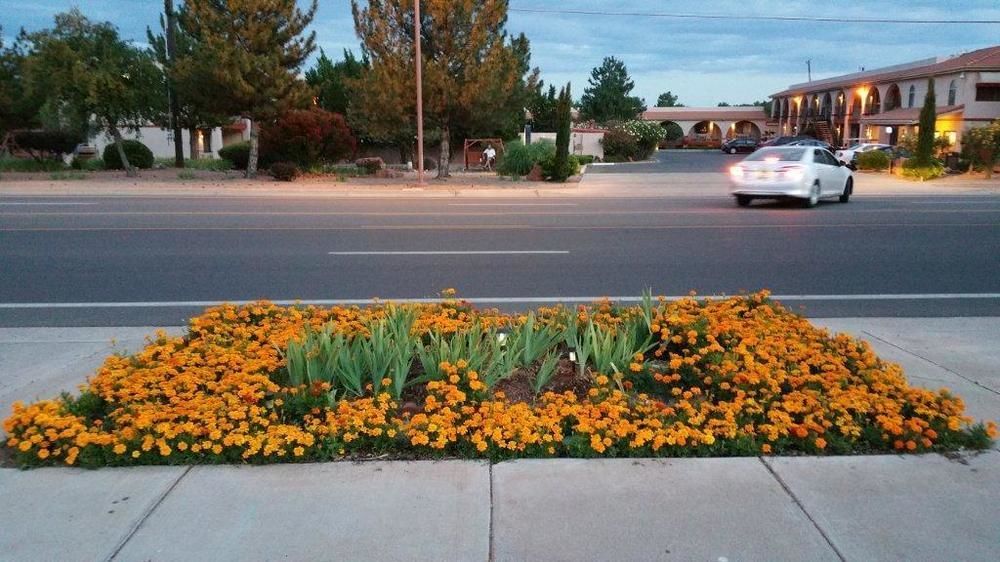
[[855, 146], [783, 154]]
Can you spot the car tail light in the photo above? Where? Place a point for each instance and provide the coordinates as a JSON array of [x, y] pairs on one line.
[[792, 172], [736, 171]]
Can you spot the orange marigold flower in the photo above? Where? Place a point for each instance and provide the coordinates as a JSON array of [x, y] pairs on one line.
[[820, 443]]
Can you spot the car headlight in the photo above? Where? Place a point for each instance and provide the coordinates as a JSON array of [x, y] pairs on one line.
[[736, 171]]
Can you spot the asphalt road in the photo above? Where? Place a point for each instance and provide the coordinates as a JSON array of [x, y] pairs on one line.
[[153, 261]]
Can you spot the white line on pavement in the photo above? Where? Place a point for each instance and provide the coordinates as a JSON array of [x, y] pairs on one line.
[[489, 300], [44, 203], [448, 252]]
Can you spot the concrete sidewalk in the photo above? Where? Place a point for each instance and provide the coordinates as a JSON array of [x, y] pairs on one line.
[[828, 508]]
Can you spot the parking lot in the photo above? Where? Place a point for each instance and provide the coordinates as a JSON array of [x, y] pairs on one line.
[[673, 162]]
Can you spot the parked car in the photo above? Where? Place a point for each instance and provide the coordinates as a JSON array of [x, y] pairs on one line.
[[812, 142], [791, 172], [732, 146], [847, 155], [781, 141]]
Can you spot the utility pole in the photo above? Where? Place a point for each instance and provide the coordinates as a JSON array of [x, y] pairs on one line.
[[420, 95], [168, 9], [809, 69]]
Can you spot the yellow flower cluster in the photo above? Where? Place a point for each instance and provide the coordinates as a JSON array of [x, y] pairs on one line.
[[734, 376]]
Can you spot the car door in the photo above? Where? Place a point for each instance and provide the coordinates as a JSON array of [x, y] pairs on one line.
[[838, 173], [824, 170]]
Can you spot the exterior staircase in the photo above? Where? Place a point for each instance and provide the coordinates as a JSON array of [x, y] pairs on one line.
[[823, 131]]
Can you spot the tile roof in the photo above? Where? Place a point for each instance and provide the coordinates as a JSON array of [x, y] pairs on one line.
[[738, 113], [982, 59]]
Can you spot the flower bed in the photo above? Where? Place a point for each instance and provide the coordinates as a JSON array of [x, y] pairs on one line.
[[262, 383]]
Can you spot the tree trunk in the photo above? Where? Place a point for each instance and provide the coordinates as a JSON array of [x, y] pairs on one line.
[[129, 168], [168, 9], [252, 162], [193, 144], [444, 161]]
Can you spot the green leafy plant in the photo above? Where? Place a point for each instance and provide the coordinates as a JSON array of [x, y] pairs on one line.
[[529, 341], [138, 154], [238, 154], [518, 159], [873, 160], [915, 170], [284, 171], [613, 348], [469, 345], [545, 371]]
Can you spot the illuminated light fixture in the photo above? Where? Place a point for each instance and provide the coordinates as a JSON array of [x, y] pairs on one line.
[[736, 172]]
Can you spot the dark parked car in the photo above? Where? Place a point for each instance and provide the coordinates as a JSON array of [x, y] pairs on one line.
[[809, 141], [732, 146], [781, 141]]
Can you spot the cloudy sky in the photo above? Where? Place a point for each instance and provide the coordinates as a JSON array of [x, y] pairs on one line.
[[704, 61]]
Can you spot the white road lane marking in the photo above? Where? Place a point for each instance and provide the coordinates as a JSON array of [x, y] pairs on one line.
[[512, 204], [447, 252], [489, 300], [3, 203]]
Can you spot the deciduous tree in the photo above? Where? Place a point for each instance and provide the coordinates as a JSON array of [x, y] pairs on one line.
[[87, 73], [256, 48], [476, 79], [607, 96]]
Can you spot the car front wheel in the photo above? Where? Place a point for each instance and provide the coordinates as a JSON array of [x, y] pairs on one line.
[[732, 150], [848, 190], [743, 200]]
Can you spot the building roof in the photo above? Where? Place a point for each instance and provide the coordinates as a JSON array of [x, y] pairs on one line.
[[906, 116], [734, 113], [982, 59]]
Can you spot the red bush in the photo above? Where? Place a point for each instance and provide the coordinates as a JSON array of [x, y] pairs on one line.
[[308, 137]]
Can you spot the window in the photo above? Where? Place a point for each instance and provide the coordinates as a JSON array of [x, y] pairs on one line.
[[952, 90], [987, 92], [913, 96]]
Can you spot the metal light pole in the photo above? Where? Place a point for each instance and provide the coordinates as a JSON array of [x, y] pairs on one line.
[[420, 95]]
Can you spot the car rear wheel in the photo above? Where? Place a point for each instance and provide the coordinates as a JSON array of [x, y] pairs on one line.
[[743, 200], [813, 198], [848, 190]]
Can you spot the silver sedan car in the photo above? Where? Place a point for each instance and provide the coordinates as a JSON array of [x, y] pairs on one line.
[[805, 173]]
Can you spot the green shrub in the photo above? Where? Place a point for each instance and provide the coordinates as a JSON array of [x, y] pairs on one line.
[[238, 154], [285, 171], [550, 169], [47, 143], [981, 147], [8, 164], [634, 140], [87, 164], [912, 169], [584, 159], [370, 165], [873, 160], [138, 154], [518, 159]]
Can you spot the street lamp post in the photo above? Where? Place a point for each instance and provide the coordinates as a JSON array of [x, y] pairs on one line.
[[420, 95]]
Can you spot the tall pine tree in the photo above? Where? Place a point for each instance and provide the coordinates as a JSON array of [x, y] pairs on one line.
[[564, 109], [924, 154], [194, 86], [329, 80], [252, 50], [606, 97], [476, 81]]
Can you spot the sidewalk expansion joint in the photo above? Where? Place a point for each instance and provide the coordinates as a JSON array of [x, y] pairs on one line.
[[802, 508], [491, 554], [135, 528], [938, 365]]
